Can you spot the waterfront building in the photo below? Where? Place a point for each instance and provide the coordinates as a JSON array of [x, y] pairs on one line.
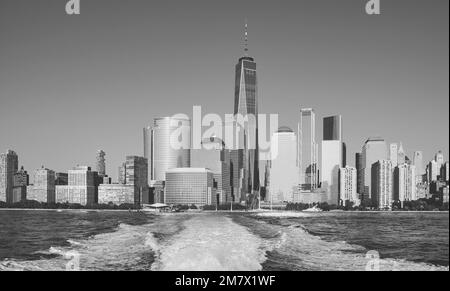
[[21, 181], [307, 150], [43, 189], [332, 157], [418, 163], [284, 170], [393, 154], [133, 185], [161, 151], [100, 163], [61, 179], [9, 165], [374, 149], [401, 157], [433, 171], [359, 174], [405, 185], [439, 158], [382, 184], [348, 186], [81, 187], [187, 186], [445, 172]]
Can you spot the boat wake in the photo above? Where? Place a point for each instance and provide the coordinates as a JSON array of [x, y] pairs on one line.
[[299, 250], [212, 244]]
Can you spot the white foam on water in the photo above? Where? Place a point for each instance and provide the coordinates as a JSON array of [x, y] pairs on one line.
[[211, 243], [284, 214], [308, 252]]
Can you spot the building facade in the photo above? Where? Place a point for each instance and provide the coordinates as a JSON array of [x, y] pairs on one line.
[[405, 183], [162, 148], [332, 157], [44, 188], [9, 165], [348, 186], [374, 149], [307, 151], [284, 169], [382, 184], [187, 186], [81, 187]]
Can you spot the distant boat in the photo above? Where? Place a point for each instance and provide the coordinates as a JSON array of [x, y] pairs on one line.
[[313, 209]]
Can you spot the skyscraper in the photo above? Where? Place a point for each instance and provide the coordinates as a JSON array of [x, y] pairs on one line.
[[284, 170], [374, 149], [43, 189], [133, 185], [246, 105], [81, 188], [401, 156], [382, 184], [439, 158], [433, 171], [418, 163], [359, 174], [393, 154], [332, 157], [162, 148], [405, 183], [9, 165], [100, 163], [347, 186], [307, 150]]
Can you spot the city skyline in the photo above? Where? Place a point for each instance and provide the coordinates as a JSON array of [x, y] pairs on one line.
[[49, 133]]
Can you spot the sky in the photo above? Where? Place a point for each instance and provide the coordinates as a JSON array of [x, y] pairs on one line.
[[73, 84]]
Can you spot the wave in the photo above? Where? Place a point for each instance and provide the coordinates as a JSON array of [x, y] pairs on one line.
[[298, 249], [128, 247], [212, 243]]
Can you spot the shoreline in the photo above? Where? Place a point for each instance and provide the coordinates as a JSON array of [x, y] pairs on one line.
[[213, 211]]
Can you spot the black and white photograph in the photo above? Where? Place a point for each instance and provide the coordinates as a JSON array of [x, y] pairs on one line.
[[238, 140]]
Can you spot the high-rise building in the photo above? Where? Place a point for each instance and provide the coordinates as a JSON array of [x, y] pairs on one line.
[[133, 185], [433, 171], [61, 179], [445, 172], [332, 157], [374, 149], [21, 181], [187, 186], [284, 170], [9, 165], [359, 174], [393, 154], [100, 163], [214, 156], [347, 186], [405, 183], [43, 189], [401, 157], [246, 106], [307, 150], [164, 148], [439, 158], [382, 184], [81, 188], [418, 163]]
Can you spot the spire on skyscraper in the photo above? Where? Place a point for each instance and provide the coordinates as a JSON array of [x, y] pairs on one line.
[[246, 38]]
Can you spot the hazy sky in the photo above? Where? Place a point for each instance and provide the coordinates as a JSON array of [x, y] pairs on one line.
[[70, 85]]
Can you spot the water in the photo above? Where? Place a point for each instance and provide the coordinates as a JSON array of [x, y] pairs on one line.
[[109, 240]]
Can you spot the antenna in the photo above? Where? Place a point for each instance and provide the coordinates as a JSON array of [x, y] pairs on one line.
[[246, 38]]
